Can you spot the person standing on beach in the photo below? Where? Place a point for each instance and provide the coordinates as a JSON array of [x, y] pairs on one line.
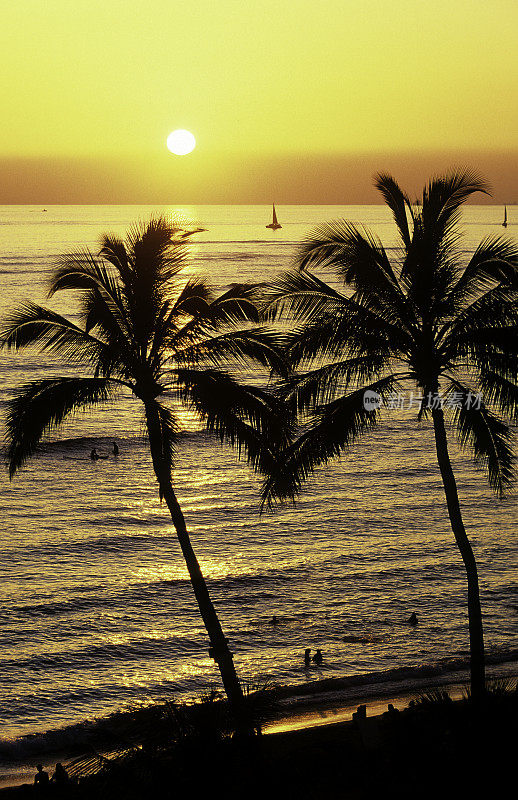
[[60, 776], [41, 778]]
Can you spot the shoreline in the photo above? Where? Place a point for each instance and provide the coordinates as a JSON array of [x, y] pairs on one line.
[[333, 699], [415, 751], [315, 704]]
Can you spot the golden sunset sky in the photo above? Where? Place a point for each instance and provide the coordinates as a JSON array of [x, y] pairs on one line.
[[297, 100]]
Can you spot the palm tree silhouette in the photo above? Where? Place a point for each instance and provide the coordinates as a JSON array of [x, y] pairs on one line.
[[146, 329], [427, 318]]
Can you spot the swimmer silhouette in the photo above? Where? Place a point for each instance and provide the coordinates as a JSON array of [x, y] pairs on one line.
[[413, 619], [318, 658], [307, 657], [115, 449], [94, 455], [274, 620]]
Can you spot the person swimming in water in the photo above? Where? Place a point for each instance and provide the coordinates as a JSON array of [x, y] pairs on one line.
[[318, 658], [115, 449], [412, 620], [94, 455]]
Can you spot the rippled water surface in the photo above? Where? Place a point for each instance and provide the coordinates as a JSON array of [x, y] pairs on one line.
[[96, 613]]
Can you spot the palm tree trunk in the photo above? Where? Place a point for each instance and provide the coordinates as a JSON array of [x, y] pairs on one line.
[[476, 634], [219, 649]]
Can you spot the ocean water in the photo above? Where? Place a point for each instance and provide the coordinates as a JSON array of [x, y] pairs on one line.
[[96, 612]]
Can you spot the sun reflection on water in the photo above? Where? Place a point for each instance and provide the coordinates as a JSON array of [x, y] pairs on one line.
[[212, 568]]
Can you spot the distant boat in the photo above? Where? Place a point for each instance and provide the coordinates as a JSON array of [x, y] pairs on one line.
[[504, 223], [274, 225]]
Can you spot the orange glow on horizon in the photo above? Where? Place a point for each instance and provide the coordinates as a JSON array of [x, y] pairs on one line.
[[341, 83]]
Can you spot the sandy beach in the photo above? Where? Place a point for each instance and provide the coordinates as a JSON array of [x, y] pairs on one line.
[[302, 716], [444, 749]]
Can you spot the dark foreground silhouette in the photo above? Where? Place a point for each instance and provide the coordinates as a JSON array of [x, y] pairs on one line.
[[435, 748], [41, 779]]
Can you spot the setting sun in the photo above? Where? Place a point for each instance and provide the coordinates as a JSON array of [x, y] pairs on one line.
[[181, 142]]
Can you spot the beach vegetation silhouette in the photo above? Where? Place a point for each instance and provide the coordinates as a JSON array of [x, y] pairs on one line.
[[424, 318], [422, 743]]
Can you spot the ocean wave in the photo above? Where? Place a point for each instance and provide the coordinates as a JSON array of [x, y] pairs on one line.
[[96, 733], [109, 653], [264, 580], [125, 724], [406, 678]]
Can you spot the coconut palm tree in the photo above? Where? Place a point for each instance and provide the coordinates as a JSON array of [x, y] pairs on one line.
[[145, 329], [427, 317]]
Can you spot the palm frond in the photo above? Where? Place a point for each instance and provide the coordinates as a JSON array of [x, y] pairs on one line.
[[299, 294], [41, 406], [486, 435], [501, 391], [82, 270], [398, 202], [495, 309], [443, 197], [250, 419], [33, 325], [222, 313], [333, 428], [248, 347], [149, 243], [430, 269], [114, 251], [195, 298], [100, 317], [494, 262], [360, 260], [309, 390], [156, 255], [493, 350], [192, 302], [351, 331], [84, 273], [237, 304]]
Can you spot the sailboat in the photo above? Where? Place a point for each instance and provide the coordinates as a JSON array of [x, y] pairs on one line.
[[274, 225], [504, 223]]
